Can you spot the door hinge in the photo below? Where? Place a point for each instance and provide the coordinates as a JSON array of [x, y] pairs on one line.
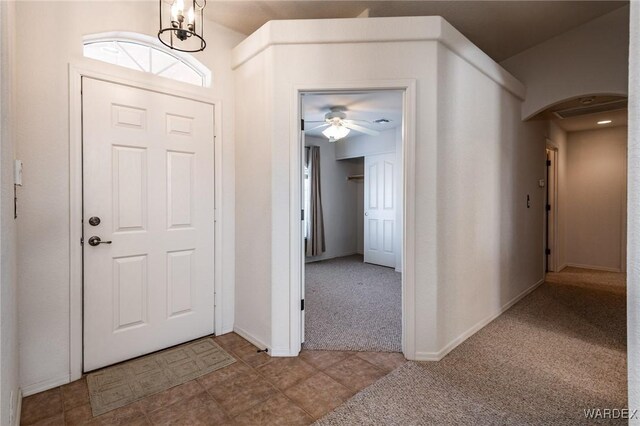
[[548, 163], [302, 124], [548, 251], [548, 207], [81, 241], [301, 214], [302, 304]]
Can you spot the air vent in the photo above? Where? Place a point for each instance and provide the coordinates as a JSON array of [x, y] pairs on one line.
[[591, 109]]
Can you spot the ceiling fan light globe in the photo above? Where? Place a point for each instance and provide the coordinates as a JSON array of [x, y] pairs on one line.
[[335, 132]]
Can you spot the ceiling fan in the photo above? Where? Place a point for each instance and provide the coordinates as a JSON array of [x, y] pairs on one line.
[[337, 125]]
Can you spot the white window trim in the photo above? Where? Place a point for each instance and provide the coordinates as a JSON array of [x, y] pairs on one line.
[[152, 42]]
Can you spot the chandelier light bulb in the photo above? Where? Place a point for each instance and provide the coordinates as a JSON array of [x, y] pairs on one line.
[[174, 11], [190, 18]]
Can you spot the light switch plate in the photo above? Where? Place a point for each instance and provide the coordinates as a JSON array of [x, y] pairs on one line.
[[17, 172]]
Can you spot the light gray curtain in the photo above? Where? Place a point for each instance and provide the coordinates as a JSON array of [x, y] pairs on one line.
[[315, 243]]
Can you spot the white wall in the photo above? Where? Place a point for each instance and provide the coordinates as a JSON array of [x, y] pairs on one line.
[[43, 143], [590, 59], [596, 198], [339, 201], [361, 145], [633, 244], [477, 246], [253, 202], [489, 243], [558, 139], [9, 365]]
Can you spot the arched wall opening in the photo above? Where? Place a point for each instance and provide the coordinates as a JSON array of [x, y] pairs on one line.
[[585, 213]]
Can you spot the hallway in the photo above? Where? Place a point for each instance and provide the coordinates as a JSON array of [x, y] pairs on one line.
[[559, 351]]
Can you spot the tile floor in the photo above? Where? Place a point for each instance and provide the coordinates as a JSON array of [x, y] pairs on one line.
[[256, 390]]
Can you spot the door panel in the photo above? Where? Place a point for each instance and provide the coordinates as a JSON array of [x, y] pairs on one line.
[[148, 174], [130, 291], [380, 209], [129, 188]]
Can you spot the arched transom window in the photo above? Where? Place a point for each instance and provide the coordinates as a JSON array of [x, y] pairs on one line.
[[141, 53]]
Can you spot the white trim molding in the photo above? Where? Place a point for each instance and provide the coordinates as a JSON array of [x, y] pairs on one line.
[[372, 30], [153, 43], [18, 410], [408, 88], [118, 75], [437, 356], [45, 385], [593, 267], [251, 339]]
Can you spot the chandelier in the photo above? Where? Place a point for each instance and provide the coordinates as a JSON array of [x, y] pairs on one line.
[[181, 24]]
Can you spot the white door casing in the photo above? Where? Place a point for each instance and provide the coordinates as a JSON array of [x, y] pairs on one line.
[[380, 209], [148, 174], [552, 210], [303, 225]]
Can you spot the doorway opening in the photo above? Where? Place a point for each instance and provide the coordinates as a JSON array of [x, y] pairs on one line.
[[352, 192]]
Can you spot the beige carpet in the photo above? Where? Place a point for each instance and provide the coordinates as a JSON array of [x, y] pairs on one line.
[[559, 351], [124, 383], [352, 306]]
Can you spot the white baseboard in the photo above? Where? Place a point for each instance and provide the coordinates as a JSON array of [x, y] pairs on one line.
[[596, 268], [18, 412], [336, 256], [226, 330], [280, 352], [437, 356], [562, 267], [45, 385], [251, 338], [276, 352]]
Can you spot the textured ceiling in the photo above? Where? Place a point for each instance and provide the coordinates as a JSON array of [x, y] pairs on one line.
[[590, 122], [500, 28], [364, 107]]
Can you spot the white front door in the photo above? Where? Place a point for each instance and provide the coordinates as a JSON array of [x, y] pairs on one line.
[[148, 177], [380, 209]]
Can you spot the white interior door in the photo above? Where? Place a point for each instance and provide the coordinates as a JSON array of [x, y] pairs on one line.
[[148, 175], [380, 209]]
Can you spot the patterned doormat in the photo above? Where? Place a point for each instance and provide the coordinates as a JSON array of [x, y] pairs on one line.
[[122, 384]]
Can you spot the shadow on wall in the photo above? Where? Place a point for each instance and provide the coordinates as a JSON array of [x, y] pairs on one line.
[[491, 236]]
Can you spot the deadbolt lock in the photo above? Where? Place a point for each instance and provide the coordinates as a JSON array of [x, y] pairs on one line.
[[94, 221]]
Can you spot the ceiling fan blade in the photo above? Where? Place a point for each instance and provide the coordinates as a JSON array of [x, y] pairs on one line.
[[317, 127], [360, 129]]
